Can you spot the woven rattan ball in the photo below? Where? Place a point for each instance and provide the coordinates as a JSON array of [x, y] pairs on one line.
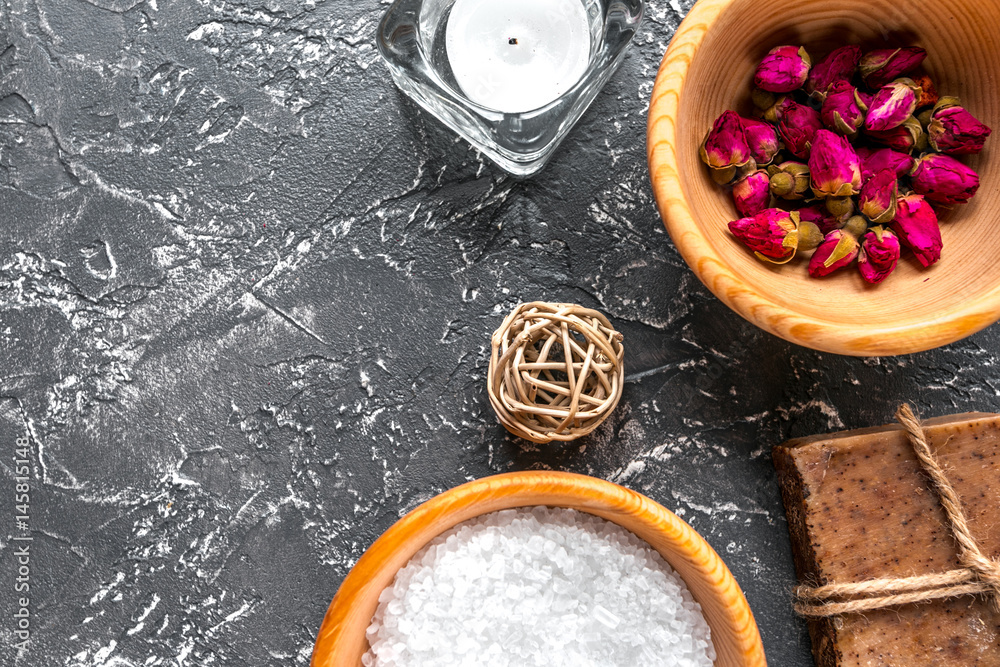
[[556, 371]]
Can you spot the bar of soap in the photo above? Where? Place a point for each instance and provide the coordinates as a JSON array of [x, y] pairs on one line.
[[859, 508]]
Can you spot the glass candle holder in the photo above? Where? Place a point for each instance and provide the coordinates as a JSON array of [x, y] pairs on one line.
[[512, 77]]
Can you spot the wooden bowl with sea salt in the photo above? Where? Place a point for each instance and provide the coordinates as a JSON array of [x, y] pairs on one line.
[[341, 641], [709, 69]]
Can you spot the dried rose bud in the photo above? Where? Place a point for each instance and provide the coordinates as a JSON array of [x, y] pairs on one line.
[[944, 180], [783, 69], [797, 126], [819, 216], [838, 65], [772, 234], [843, 111], [904, 138], [876, 159], [789, 180], [928, 93], [878, 197], [878, 254], [893, 104], [882, 66], [834, 166], [866, 98], [762, 139], [751, 193], [725, 147], [916, 224], [837, 250], [955, 131]]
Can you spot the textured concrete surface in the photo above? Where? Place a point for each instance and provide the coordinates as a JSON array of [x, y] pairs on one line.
[[246, 292]]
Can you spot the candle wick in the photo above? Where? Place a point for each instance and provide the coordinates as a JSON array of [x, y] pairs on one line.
[[512, 40]]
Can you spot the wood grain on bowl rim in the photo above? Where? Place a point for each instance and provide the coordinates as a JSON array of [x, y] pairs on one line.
[[855, 337], [341, 639]]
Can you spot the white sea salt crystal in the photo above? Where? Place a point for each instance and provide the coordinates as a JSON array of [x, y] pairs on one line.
[[606, 617], [538, 586]]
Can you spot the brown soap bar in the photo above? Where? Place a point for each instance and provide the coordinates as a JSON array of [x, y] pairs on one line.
[[859, 508]]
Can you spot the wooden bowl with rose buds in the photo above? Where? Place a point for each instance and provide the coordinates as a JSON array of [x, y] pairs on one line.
[[709, 68]]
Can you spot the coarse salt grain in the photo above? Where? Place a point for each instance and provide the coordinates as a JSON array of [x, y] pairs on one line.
[[538, 586]]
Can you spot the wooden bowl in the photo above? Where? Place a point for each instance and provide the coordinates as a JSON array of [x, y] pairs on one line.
[[709, 69], [341, 640]]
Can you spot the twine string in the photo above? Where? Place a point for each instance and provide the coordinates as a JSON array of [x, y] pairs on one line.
[[978, 574]]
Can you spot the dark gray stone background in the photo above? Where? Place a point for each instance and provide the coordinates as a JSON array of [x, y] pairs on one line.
[[246, 294]]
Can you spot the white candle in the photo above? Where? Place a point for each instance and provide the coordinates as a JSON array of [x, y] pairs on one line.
[[517, 55]]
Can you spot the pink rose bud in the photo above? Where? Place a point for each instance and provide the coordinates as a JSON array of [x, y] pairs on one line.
[[834, 166], [893, 104], [837, 250], [843, 111], [878, 254], [783, 69], [904, 138], [797, 126], [882, 66], [725, 147], [762, 139], [955, 131], [773, 234], [944, 180], [874, 160], [838, 65], [916, 224], [817, 214], [752, 193], [878, 197]]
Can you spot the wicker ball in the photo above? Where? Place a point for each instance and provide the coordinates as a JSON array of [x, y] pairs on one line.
[[556, 371]]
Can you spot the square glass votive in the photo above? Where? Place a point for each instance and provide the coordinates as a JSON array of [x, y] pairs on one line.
[[510, 76]]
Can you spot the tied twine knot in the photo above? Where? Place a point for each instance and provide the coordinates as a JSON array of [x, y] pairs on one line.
[[979, 575]]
